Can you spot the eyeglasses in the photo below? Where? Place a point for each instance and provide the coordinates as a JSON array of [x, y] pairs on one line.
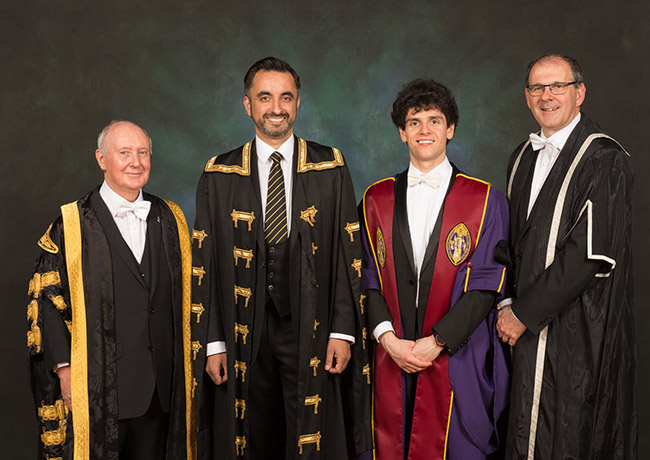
[[556, 88]]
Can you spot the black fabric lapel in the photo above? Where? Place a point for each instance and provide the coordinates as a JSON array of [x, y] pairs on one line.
[[154, 239], [114, 236], [401, 216]]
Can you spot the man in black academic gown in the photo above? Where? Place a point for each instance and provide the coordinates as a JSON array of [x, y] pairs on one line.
[[571, 322], [277, 268], [110, 350]]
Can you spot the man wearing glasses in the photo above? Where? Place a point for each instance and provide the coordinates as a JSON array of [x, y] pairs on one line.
[[571, 320]]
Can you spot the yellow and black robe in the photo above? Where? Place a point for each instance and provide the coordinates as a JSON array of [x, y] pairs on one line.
[[73, 278]]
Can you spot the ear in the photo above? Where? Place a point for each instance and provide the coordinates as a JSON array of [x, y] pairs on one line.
[[247, 105], [402, 134], [581, 92], [527, 96], [101, 161], [298, 103], [450, 132]]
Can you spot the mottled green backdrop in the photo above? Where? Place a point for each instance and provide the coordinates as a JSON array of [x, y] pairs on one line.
[[176, 68]]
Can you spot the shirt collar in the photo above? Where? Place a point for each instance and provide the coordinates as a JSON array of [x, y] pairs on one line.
[[444, 169], [113, 200], [264, 150], [560, 137]]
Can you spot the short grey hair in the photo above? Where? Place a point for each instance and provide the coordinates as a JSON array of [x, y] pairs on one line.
[[576, 70], [101, 139]]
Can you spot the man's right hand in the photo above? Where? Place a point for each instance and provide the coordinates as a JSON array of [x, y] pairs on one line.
[[216, 367], [64, 380], [402, 353]]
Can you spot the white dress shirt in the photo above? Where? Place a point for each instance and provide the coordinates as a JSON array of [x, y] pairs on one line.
[[546, 158], [132, 228], [264, 163], [423, 204]]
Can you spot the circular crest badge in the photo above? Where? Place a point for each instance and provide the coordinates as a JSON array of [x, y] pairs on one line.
[[381, 248], [458, 244]]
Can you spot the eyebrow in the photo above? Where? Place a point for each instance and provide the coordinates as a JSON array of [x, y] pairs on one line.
[[268, 93], [434, 117]]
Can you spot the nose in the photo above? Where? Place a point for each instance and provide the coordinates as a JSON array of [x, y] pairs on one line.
[[547, 93], [135, 160]]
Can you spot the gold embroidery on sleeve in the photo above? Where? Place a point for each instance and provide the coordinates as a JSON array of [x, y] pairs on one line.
[[240, 366], [32, 311], [244, 254], [199, 235], [352, 227], [364, 335], [316, 324], [314, 248], [313, 401], [240, 404], [42, 280], [309, 439], [54, 437], [196, 346], [247, 217], [240, 445], [46, 242], [314, 362], [198, 309], [357, 266], [57, 411], [243, 291], [58, 302], [198, 272], [366, 372], [309, 215], [361, 299], [34, 337], [241, 329]]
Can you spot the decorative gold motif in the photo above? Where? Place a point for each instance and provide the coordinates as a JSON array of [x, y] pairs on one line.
[[54, 437], [199, 235], [240, 366], [198, 272], [356, 264], [240, 404], [68, 324], [366, 372], [309, 215], [58, 302], [381, 248], [34, 337], [243, 291], [32, 311], [364, 335], [241, 329], [309, 439], [314, 362], [303, 166], [42, 280], [361, 299], [198, 309], [240, 445], [248, 217], [57, 411], [314, 248], [196, 346], [47, 457], [46, 242], [313, 401], [458, 244], [316, 324], [194, 384], [244, 254], [243, 170], [352, 227]]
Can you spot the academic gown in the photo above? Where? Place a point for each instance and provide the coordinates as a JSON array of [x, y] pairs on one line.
[[477, 371], [229, 267], [80, 290], [572, 285]]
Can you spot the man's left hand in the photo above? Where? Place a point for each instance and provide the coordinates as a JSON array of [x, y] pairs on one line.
[[338, 355], [427, 349], [509, 328]]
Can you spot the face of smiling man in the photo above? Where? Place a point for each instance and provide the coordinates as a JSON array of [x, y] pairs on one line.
[[554, 111], [272, 102], [426, 133]]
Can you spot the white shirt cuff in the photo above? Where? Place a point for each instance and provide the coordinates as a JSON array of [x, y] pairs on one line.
[[505, 302], [336, 335], [382, 327], [60, 365], [214, 348]]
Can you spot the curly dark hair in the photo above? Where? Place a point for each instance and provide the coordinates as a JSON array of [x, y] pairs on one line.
[[424, 94], [269, 64]]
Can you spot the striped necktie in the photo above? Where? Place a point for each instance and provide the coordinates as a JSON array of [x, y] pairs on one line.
[[275, 223]]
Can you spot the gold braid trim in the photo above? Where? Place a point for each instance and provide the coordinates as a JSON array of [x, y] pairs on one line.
[[304, 166], [243, 170], [57, 411], [42, 280], [186, 276], [79, 348], [55, 437], [46, 242], [58, 302]]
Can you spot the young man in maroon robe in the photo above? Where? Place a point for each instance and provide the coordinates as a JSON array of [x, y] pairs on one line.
[[432, 283]]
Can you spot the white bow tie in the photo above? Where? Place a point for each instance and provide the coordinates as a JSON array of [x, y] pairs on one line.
[[140, 209], [431, 179], [538, 143]]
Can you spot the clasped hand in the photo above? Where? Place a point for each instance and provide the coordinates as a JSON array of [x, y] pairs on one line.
[[411, 356]]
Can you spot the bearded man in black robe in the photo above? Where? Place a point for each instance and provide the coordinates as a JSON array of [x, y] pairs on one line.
[[108, 318], [277, 291], [571, 323]]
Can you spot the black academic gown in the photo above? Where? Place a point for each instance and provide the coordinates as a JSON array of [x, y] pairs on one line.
[[50, 323], [229, 264], [587, 405]]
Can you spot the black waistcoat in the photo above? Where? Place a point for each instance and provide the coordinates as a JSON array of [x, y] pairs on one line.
[[277, 276], [143, 316]]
